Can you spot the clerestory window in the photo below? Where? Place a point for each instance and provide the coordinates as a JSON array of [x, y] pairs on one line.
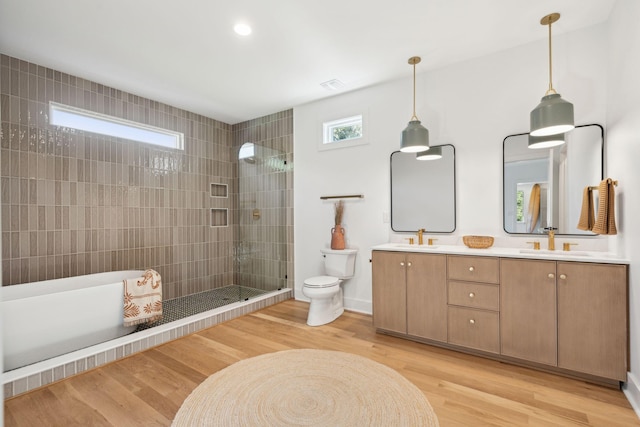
[[90, 121]]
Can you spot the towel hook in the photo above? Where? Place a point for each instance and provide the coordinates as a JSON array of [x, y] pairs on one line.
[[609, 181]]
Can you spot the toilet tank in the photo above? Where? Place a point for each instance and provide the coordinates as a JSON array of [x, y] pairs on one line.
[[339, 263]]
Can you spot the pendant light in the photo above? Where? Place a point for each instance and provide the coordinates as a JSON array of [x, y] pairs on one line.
[[415, 137], [547, 141], [434, 153], [553, 115]]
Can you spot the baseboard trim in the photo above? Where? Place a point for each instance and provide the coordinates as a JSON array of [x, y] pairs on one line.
[[631, 390]]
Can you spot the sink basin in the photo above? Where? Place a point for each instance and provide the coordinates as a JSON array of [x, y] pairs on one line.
[[415, 246], [558, 253]]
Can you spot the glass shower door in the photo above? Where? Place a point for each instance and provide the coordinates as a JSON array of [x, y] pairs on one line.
[[260, 249]]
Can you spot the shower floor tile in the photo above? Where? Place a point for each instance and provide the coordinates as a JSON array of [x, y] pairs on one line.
[[181, 307]]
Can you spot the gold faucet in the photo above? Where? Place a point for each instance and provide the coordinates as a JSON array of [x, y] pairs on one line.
[[420, 233], [551, 245], [430, 241], [567, 246], [536, 245]]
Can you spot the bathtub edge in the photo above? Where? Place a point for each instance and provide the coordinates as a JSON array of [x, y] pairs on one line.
[[31, 377]]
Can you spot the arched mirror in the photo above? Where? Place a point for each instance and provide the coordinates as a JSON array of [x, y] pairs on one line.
[[423, 192], [543, 187]]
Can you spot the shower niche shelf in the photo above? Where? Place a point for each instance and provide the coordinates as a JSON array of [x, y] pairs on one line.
[[219, 190], [218, 217]]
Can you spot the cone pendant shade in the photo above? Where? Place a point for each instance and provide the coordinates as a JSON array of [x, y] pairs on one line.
[[547, 141], [434, 153], [553, 115], [415, 138]]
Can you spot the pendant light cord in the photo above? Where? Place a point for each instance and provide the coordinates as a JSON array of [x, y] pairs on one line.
[[551, 90], [414, 117]]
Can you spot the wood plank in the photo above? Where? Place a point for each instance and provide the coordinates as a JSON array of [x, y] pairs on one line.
[[148, 388]]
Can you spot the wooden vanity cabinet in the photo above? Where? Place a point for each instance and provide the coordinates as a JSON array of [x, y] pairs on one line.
[[571, 317], [473, 302], [389, 276], [592, 319], [409, 294], [528, 310], [427, 296]]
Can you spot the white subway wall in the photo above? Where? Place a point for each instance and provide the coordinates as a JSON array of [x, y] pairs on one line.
[[473, 105], [623, 123]]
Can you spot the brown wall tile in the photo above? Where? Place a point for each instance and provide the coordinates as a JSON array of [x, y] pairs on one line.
[[76, 203]]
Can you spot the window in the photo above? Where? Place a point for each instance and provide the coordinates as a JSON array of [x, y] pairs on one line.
[[346, 129], [520, 206], [77, 118], [247, 152]]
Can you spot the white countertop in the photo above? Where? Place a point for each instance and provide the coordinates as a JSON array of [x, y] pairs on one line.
[[557, 255]]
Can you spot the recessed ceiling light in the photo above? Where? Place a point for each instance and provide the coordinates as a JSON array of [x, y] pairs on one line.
[[242, 29]]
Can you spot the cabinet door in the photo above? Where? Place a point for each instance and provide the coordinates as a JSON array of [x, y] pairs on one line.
[[528, 310], [389, 291], [592, 319], [427, 296]]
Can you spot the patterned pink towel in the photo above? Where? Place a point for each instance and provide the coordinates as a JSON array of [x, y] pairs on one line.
[[143, 299]]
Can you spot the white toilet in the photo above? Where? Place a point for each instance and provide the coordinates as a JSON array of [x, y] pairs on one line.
[[325, 292]]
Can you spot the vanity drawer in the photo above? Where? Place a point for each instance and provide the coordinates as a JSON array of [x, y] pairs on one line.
[[477, 329], [474, 295], [474, 268]]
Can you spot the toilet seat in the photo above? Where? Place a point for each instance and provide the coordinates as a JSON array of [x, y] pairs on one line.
[[321, 282]]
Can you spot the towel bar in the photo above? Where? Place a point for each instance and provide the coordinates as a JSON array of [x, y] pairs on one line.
[[350, 196], [595, 187]]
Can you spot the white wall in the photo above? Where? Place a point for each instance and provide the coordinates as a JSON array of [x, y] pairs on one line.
[[473, 105], [623, 129]]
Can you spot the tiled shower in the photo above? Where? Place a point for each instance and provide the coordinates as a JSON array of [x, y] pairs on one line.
[[75, 203]]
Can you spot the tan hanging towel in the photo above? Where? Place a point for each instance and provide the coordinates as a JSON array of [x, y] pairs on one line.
[[606, 219], [587, 217], [534, 208]]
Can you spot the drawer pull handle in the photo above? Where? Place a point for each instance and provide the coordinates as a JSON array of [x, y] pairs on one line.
[[402, 264], [409, 264], [471, 268], [472, 321], [563, 276], [471, 295], [551, 275]]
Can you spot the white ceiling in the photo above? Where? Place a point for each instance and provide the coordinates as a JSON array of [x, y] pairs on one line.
[[185, 53]]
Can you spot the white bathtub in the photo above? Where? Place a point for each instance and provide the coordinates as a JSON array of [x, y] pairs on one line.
[[45, 319]]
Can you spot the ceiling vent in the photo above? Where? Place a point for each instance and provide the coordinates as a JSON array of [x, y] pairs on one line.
[[333, 84]]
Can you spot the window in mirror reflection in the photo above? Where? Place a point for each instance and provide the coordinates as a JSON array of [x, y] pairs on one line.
[[520, 206]]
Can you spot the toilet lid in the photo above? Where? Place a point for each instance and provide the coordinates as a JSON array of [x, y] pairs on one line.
[[321, 281]]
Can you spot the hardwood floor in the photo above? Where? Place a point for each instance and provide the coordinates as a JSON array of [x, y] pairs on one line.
[[148, 388]]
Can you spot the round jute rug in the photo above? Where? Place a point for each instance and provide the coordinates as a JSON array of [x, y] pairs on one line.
[[306, 388]]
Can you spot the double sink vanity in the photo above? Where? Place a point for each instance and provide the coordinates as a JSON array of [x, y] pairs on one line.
[[564, 312], [559, 310]]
